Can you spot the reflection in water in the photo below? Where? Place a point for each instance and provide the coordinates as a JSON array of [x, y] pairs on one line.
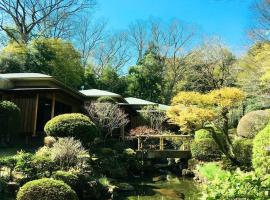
[[162, 188]]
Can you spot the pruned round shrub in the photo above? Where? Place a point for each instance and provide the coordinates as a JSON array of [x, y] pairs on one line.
[[204, 147], [253, 122], [67, 177], [9, 120], [46, 189], [202, 134], [72, 125], [261, 151], [243, 151]]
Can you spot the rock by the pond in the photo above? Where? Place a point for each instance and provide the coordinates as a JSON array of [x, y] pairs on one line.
[[187, 173], [124, 187]]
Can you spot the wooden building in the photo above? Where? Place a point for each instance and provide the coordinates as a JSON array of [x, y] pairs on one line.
[[40, 97]]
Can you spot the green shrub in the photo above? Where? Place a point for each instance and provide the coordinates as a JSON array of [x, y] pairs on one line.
[[261, 151], [46, 189], [25, 165], [9, 120], [212, 171], [106, 99], [72, 125], [243, 151], [202, 134], [67, 177], [253, 122], [204, 147], [238, 186]]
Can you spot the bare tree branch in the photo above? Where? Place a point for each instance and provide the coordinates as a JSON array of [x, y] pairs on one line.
[[30, 18]]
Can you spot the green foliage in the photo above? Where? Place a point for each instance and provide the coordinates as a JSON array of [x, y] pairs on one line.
[[253, 122], [202, 134], [239, 186], [24, 164], [210, 67], [146, 78], [9, 120], [9, 163], [261, 151], [106, 99], [204, 147], [211, 171], [72, 125], [110, 80], [67, 177], [243, 151], [49, 56], [46, 189], [44, 165]]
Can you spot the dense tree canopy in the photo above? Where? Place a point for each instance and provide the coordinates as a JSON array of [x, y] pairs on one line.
[[48, 56]]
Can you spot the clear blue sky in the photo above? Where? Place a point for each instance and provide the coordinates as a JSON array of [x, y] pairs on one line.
[[228, 19]]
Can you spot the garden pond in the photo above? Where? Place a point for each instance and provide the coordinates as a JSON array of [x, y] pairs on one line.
[[165, 187]]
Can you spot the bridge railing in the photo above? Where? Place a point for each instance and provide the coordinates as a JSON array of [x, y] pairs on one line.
[[160, 142]]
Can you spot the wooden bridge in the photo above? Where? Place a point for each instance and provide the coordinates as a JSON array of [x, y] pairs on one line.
[[164, 146]]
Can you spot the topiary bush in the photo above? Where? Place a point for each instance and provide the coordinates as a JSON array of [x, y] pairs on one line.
[[74, 125], [261, 151], [67, 177], [243, 151], [202, 134], [204, 147], [46, 189], [251, 123], [9, 121]]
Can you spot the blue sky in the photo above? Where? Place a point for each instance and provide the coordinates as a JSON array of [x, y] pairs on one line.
[[228, 19]]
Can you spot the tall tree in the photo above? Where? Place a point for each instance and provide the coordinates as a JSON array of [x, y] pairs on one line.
[[24, 19], [146, 79], [261, 25], [211, 67], [49, 56]]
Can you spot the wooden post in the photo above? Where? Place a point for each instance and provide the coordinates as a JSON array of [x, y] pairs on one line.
[[161, 143], [53, 105], [123, 132], [35, 115], [139, 145]]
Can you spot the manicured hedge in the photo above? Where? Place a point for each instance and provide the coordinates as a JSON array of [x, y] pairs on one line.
[[67, 177], [253, 122], [202, 134], [74, 125], [46, 189], [9, 120], [243, 151], [261, 151], [204, 147]]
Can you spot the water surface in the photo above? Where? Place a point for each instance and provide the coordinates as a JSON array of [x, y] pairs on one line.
[[162, 188]]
